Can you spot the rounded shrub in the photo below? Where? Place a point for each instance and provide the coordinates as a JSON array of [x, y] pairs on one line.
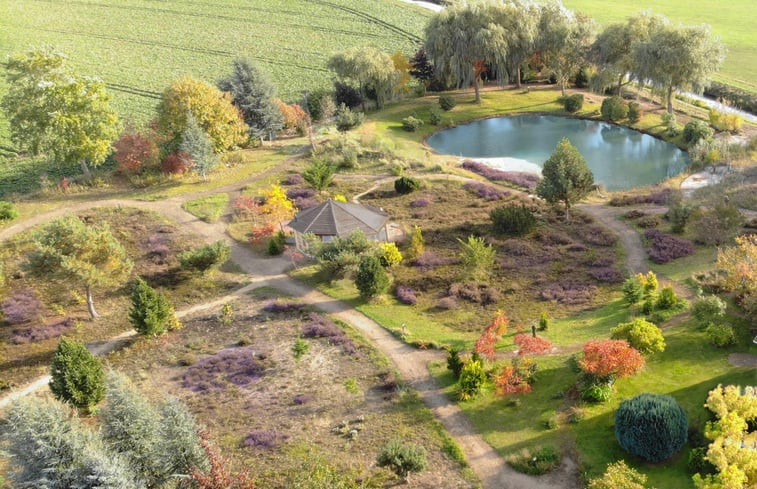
[[8, 211], [634, 112], [614, 109], [435, 118], [472, 378], [642, 335], [402, 458], [205, 257], [573, 103], [596, 392], [411, 124], [150, 313], [708, 308], [693, 131], [513, 219], [720, 335], [447, 102], [651, 426], [406, 185], [666, 299]]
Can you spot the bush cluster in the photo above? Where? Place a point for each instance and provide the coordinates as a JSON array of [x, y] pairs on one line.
[[402, 458], [8, 211], [205, 257], [572, 103], [150, 313], [720, 335], [347, 119], [535, 461], [405, 295], [371, 278], [614, 109], [634, 112], [411, 124], [472, 379], [642, 335], [406, 185], [695, 130], [447, 102]]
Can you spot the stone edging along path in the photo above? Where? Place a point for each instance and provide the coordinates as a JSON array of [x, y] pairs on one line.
[[412, 364]]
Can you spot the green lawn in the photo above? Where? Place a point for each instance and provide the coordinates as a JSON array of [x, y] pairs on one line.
[[733, 21], [208, 209], [139, 46], [687, 370]]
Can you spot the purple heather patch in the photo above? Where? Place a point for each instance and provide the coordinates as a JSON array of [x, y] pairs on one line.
[[22, 307], [665, 247], [609, 275], [519, 178], [279, 306], [302, 399], [320, 326], [238, 366], [429, 260], [303, 203], [405, 295], [658, 197], [43, 332], [300, 193], [486, 191], [294, 179], [266, 439], [422, 202], [568, 292]]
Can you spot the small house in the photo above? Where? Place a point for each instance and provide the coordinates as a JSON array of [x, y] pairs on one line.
[[339, 219]]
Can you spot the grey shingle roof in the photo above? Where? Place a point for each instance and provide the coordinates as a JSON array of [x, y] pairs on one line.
[[333, 218]]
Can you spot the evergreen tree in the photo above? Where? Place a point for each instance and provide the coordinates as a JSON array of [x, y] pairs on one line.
[[132, 427], [421, 69], [371, 279], [181, 449], [253, 92], [567, 178], [77, 376], [196, 143], [150, 313]]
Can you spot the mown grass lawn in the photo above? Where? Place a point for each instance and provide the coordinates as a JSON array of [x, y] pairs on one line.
[[208, 209], [733, 21], [687, 370]]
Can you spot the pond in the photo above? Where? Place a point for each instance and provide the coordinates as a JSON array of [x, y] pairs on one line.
[[620, 158]]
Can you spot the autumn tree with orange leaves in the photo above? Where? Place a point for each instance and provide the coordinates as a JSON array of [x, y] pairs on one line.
[[219, 476], [610, 359]]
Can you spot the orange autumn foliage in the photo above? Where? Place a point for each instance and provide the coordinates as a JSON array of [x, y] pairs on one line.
[[529, 345], [510, 382], [611, 358], [493, 332]]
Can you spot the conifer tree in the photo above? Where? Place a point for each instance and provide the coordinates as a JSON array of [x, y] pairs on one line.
[[196, 143], [77, 376], [150, 313]]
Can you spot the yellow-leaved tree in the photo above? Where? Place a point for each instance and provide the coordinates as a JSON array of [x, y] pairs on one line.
[[212, 109]]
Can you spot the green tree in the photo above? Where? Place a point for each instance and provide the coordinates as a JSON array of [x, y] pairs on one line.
[[212, 108], [403, 458], [633, 290], [319, 174], [54, 111], [520, 20], [150, 313], [708, 308], [651, 426], [371, 278], [72, 252], [565, 39], [462, 39], [417, 244], [180, 447], [679, 58], [77, 376], [196, 143], [203, 258], [477, 257], [567, 178], [372, 70], [50, 448], [253, 92]]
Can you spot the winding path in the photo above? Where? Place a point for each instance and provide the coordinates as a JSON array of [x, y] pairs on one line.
[[412, 364]]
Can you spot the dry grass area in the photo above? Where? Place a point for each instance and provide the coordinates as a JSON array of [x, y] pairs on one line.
[[285, 418], [37, 312], [559, 268]]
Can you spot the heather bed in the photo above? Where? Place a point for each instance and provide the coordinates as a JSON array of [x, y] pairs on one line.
[[37, 312], [288, 413]]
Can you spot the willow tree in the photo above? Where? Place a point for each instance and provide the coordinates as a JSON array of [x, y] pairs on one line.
[[462, 39], [614, 48], [679, 57], [56, 112], [520, 19], [565, 39], [372, 70]]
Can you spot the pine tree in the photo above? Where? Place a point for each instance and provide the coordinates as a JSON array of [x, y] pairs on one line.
[[253, 92], [196, 143], [77, 375], [371, 278], [567, 178], [150, 313]]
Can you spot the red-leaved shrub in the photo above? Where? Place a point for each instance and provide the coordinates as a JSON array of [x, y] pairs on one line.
[[176, 163], [607, 359], [529, 345], [508, 382], [135, 152], [493, 332]]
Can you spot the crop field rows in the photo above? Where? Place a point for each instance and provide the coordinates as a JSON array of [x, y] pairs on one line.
[[139, 46]]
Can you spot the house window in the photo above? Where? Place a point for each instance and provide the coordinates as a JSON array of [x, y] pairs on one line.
[[327, 239]]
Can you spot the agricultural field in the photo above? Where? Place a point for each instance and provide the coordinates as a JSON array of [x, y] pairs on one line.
[[733, 21], [138, 47], [327, 411]]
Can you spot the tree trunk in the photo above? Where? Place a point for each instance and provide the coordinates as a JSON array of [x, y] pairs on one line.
[[562, 86], [91, 304], [85, 170], [670, 99], [620, 84], [567, 211], [476, 89], [517, 76]]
